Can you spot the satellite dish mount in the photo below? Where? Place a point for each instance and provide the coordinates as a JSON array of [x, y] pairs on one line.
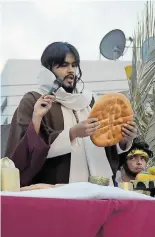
[[113, 44]]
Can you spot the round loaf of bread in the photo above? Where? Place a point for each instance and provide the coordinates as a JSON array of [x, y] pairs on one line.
[[112, 111], [39, 186]]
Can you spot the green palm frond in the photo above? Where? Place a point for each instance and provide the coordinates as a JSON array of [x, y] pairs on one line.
[[142, 83]]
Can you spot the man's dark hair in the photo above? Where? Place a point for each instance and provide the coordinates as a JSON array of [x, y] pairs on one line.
[[55, 54]]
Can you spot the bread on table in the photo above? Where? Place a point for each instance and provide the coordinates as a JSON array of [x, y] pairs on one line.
[[39, 186]]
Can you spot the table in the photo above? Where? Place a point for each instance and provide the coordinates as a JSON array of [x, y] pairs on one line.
[[46, 217]]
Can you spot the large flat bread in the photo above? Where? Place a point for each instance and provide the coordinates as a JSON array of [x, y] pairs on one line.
[[113, 111], [39, 186]]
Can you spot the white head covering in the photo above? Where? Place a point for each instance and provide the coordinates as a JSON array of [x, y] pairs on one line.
[[74, 101]]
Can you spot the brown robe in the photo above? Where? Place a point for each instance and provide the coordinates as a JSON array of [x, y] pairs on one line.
[[29, 150]]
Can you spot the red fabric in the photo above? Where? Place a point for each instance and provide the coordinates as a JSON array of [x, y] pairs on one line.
[[43, 217]]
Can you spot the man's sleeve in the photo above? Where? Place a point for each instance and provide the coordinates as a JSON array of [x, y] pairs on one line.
[[25, 147]]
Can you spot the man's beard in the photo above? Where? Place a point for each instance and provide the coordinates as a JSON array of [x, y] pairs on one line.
[[68, 89]]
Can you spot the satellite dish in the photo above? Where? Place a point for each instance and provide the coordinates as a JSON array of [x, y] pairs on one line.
[[147, 47], [113, 44]]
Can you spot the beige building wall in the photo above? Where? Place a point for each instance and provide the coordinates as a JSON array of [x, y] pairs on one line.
[[21, 76]]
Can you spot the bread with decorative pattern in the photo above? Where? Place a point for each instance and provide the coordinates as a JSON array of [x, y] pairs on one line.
[[113, 111]]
